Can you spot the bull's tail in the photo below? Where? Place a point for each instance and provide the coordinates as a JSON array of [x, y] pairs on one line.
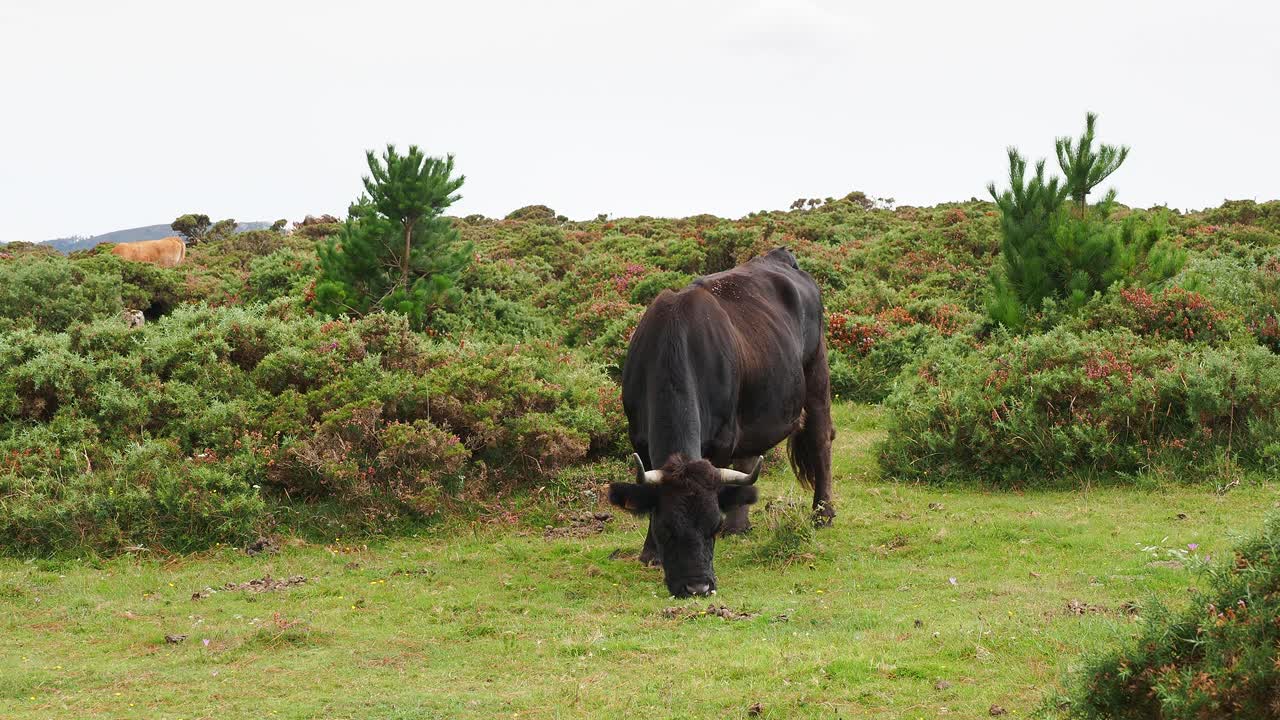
[[809, 448], [804, 454]]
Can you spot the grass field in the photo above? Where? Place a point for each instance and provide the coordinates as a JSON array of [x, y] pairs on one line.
[[919, 603]]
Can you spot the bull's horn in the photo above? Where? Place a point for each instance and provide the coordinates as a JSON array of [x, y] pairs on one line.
[[733, 477], [650, 477]]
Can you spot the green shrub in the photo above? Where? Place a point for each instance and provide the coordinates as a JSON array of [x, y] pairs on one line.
[[1218, 658], [486, 315], [52, 292], [533, 213], [280, 273], [551, 244], [151, 496], [1031, 410], [866, 354], [1245, 212], [644, 291], [1174, 314], [379, 465], [1249, 288]]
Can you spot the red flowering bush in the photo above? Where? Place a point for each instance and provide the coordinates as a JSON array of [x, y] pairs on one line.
[[1175, 314], [845, 334]]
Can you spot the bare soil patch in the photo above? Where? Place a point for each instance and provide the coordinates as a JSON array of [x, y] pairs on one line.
[[712, 610], [576, 525]]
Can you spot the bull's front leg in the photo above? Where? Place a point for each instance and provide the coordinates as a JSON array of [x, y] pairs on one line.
[[649, 553], [737, 519]]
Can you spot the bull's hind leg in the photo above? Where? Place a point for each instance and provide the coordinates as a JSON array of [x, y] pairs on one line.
[[810, 446]]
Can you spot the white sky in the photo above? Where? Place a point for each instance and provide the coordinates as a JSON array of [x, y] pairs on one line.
[[131, 112]]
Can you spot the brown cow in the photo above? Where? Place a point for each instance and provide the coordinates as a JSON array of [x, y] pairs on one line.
[[165, 252]]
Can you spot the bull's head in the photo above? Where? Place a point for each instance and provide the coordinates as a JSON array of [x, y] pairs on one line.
[[686, 502]]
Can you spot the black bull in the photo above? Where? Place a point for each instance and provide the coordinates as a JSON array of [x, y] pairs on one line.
[[716, 375]]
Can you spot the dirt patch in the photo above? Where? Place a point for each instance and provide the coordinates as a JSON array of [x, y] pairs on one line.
[[412, 572], [620, 554], [896, 542], [1076, 607], [262, 546], [713, 610], [577, 525], [266, 583]]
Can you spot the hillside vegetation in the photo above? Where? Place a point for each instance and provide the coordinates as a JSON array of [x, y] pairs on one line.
[[237, 409]]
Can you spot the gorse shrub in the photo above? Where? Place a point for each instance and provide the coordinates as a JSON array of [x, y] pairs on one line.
[[147, 496], [1248, 289], [238, 407], [52, 292], [868, 353], [1026, 411], [1217, 658], [1172, 314]]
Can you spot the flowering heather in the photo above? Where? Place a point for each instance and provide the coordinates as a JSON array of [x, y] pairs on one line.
[[848, 335], [1176, 314]]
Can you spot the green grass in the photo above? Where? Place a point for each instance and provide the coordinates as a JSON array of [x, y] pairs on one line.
[[489, 619]]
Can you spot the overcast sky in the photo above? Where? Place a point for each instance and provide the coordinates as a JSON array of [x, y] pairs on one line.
[[131, 112]]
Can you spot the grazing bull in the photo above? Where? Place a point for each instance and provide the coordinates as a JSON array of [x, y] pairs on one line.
[[165, 252], [717, 374]]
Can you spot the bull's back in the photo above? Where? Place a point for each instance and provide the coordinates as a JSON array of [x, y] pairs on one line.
[[773, 305], [745, 336], [776, 313]]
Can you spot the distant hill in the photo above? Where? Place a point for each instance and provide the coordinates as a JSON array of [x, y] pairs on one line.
[[146, 232]]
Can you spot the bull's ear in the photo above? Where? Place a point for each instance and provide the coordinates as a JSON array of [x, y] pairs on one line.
[[633, 497], [734, 495]]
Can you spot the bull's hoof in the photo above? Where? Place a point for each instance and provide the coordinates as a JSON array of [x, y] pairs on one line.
[[649, 558], [741, 528], [823, 514]]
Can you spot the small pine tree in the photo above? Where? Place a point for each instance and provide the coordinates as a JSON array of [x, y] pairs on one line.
[[395, 251], [1048, 252], [1027, 211], [1085, 169]]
